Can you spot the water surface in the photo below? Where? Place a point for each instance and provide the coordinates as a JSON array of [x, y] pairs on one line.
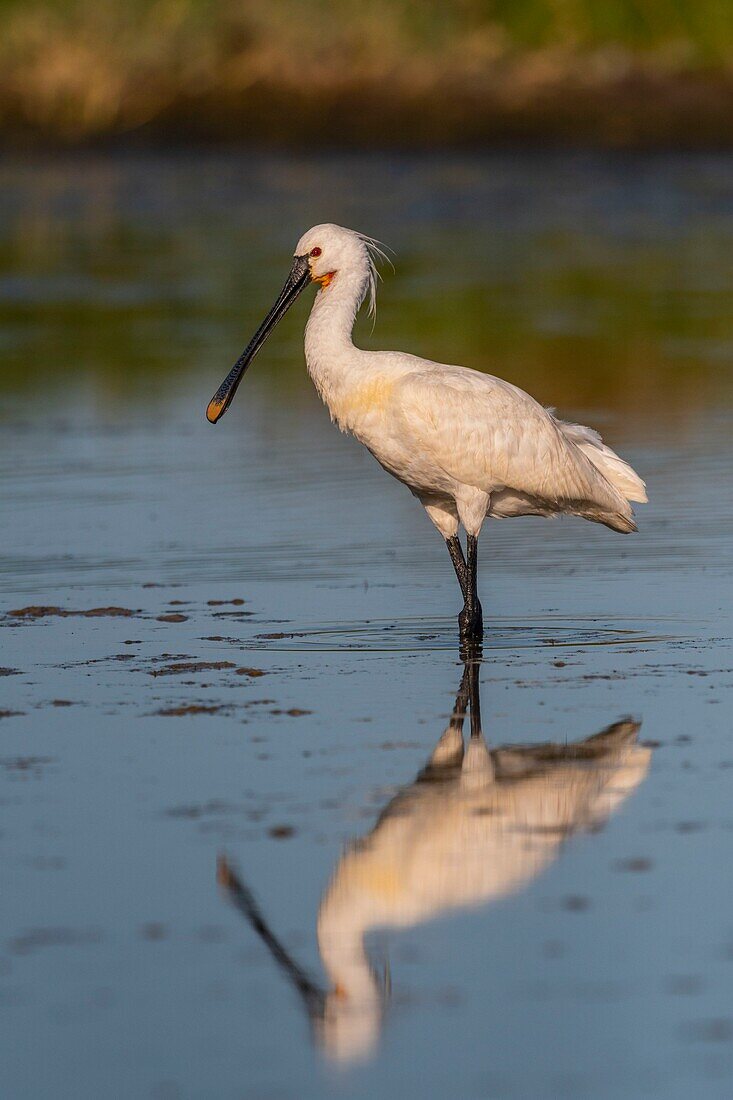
[[517, 922]]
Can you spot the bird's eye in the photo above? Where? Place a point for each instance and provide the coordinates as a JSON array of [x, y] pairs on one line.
[[315, 251]]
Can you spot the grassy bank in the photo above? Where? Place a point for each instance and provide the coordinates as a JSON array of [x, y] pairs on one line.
[[388, 72]]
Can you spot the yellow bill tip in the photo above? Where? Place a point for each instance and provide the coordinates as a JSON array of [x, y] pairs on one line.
[[214, 410], [223, 872]]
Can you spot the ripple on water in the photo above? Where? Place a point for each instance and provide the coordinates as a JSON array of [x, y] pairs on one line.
[[410, 635]]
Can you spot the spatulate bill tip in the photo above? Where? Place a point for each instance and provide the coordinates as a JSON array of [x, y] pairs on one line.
[[215, 410]]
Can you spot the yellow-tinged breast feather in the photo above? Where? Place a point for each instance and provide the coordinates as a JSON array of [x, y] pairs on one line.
[[364, 399]]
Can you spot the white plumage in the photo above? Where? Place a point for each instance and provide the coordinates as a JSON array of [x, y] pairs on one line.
[[466, 444], [475, 826]]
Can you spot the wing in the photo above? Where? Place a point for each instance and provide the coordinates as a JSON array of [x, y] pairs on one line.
[[482, 431]]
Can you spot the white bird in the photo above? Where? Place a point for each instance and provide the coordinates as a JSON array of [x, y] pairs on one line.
[[475, 826], [466, 444]]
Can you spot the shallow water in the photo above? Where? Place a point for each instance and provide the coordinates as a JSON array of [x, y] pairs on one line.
[[553, 927]]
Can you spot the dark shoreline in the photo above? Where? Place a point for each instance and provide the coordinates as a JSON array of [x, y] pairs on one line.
[[641, 112]]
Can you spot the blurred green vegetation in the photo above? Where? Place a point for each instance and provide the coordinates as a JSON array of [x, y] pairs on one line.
[[591, 288], [357, 71]]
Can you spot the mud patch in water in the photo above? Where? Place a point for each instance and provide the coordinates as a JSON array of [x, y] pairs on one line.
[[26, 765], [39, 611], [188, 709], [179, 668], [37, 938]]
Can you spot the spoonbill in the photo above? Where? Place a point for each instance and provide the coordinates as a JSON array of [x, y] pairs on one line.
[[466, 444], [475, 826]]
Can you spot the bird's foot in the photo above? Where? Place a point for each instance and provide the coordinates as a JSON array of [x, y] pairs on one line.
[[471, 624]]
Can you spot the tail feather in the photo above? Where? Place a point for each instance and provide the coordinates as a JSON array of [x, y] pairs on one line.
[[619, 473], [625, 525]]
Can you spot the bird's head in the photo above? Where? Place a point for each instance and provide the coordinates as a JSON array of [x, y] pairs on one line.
[[331, 249], [322, 254]]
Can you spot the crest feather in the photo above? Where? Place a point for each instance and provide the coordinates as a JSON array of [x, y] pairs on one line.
[[377, 252]]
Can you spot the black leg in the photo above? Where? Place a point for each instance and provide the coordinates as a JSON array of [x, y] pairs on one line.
[[459, 562], [470, 620], [463, 699], [475, 697], [448, 753]]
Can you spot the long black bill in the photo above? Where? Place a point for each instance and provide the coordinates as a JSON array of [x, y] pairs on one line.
[[243, 898], [297, 281]]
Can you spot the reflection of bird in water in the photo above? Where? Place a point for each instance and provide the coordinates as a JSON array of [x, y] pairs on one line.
[[475, 826], [467, 445]]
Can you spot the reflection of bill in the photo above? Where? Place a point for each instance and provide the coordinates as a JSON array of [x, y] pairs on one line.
[[474, 826]]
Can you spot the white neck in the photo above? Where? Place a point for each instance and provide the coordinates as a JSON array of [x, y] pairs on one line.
[[341, 931], [328, 332]]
